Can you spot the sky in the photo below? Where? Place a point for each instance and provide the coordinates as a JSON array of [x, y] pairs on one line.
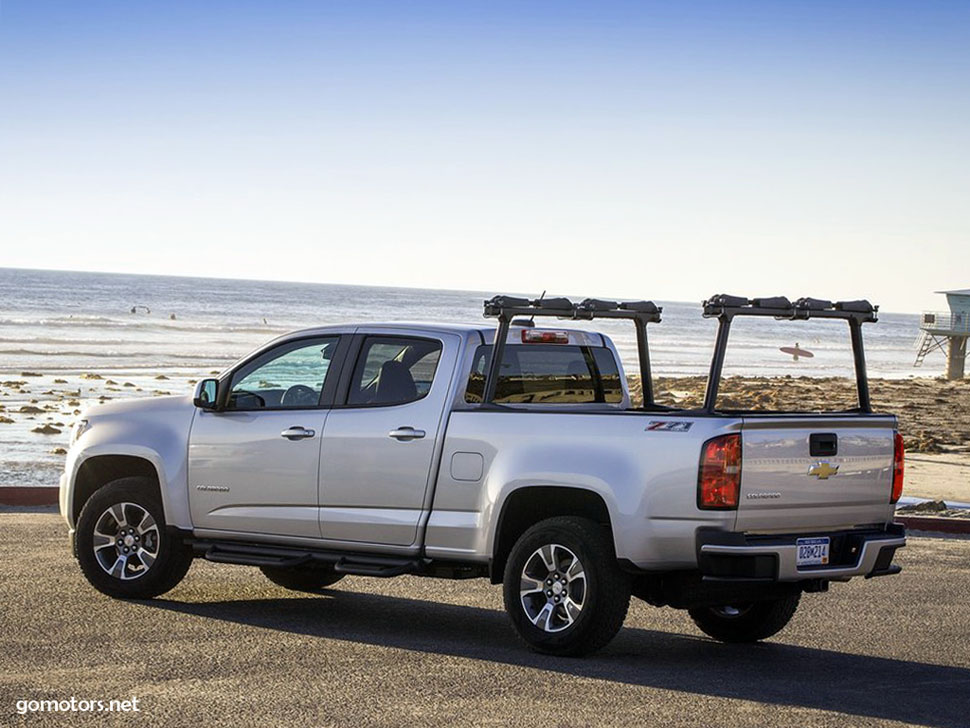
[[624, 149]]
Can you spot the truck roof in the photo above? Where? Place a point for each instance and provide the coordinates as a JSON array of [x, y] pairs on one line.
[[462, 329]]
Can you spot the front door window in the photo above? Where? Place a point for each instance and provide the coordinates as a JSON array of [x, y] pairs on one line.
[[289, 377]]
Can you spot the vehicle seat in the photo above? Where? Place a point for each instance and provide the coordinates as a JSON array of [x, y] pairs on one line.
[[395, 384]]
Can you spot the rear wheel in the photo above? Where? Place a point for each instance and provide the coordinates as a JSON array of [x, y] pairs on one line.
[[303, 580], [123, 547], [563, 589], [746, 622]]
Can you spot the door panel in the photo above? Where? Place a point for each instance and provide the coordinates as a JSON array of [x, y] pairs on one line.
[[244, 476], [254, 467], [374, 486]]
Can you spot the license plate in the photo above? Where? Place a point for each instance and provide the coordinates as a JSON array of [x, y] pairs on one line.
[[812, 551]]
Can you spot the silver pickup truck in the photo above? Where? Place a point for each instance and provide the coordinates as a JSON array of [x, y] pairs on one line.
[[509, 452]]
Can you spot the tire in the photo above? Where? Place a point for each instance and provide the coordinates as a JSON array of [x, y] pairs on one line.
[[302, 580], [150, 562], [599, 592], [745, 622]]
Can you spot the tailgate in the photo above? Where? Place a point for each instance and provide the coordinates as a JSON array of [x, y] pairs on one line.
[[812, 473]]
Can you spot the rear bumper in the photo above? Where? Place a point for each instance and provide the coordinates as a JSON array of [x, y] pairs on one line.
[[724, 556]]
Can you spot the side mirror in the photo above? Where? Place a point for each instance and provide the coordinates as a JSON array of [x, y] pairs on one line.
[[207, 394]]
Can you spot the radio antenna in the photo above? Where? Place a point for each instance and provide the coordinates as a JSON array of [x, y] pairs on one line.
[[533, 317]]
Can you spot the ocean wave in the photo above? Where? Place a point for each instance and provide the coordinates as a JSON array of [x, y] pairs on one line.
[[159, 326], [117, 354], [76, 342], [183, 368], [75, 322]]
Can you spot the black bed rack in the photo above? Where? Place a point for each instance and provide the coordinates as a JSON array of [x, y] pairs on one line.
[[505, 308], [724, 308]]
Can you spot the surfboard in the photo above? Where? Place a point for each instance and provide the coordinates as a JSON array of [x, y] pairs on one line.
[[796, 352]]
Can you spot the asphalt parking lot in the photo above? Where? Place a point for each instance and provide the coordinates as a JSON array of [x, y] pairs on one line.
[[229, 648]]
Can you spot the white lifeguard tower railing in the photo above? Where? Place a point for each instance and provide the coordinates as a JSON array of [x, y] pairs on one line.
[[947, 330]]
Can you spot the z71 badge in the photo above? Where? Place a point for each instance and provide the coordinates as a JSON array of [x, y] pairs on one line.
[[669, 426]]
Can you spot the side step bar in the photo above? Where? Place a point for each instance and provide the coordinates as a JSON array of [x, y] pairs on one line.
[[281, 557], [362, 566]]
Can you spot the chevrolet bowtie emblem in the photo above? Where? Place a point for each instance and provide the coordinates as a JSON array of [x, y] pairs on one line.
[[823, 470]]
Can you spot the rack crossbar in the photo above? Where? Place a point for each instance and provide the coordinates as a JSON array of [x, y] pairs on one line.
[[505, 308]]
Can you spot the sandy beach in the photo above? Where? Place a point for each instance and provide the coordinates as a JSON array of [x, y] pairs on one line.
[[38, 408], [933, 413]]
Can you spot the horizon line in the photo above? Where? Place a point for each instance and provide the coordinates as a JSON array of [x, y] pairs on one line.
[[343, 285]]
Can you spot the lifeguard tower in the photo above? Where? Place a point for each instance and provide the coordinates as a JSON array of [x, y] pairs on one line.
[[949, 330]]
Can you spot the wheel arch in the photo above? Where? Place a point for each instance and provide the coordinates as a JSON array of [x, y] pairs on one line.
[[97, 471], [527, 505]]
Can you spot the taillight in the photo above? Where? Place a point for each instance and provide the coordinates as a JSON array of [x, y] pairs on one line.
[[719, 477], [532, 336], [898, 460]]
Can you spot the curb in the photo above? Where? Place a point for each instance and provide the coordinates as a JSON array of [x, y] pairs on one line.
[[25, 496], [935, 523]]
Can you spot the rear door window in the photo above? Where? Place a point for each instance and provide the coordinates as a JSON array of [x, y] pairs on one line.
[[549, 374], [394, 370]]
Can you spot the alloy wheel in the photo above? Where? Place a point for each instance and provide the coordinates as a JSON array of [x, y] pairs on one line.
[[126, 541], [553, 588]]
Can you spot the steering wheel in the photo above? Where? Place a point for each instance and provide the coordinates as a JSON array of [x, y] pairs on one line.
[[300, 395], [234, 397]]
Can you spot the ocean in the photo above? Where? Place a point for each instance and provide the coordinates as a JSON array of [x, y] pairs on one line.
[[146, 334]]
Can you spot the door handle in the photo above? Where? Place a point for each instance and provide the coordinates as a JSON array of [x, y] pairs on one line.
[[297, 433], [823, 444], [404, 434]]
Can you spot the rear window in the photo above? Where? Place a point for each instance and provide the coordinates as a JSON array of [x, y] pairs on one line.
[[548, 374]]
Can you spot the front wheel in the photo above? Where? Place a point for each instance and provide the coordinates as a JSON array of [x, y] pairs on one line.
[[563, 589], [122, 545], [747, 622]]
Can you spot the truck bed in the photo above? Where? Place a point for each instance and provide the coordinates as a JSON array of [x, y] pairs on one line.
[[644, 466]]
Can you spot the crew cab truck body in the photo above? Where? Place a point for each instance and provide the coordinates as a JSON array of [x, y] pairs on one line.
[[413, 448]]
